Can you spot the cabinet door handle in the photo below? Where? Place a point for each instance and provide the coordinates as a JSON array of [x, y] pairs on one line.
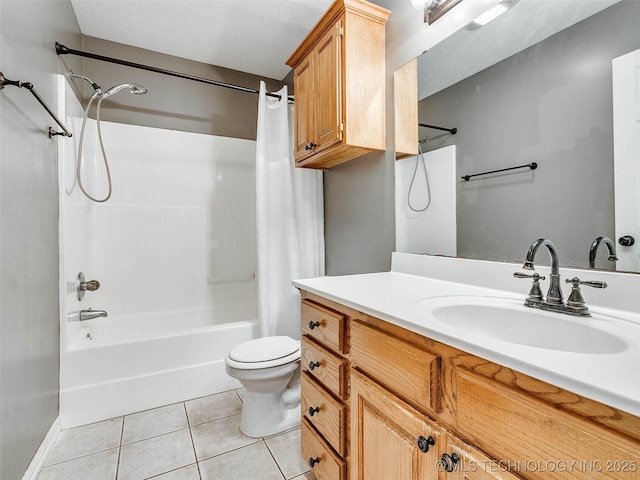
[[313, 461], [310, 146], [448, 463], [425, 443], [314, 365], [313, 411], [313, 325]]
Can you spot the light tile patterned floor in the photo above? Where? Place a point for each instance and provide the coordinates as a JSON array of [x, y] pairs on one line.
[[195, 440]]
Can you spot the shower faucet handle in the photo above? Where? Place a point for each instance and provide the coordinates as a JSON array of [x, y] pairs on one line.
[[91, 285], [82, 286]]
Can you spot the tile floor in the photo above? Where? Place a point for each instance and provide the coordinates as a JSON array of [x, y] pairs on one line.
[[198, 439]]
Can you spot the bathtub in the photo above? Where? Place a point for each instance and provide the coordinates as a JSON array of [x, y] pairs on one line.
[[116, 366]]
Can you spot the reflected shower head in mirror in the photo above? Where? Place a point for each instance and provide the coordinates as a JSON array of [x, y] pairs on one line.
[[133, 88]]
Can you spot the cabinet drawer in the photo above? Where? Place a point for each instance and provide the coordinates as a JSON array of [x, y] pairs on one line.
[[326, 464], [408, 371], [325, 366], [326, 413], [326, 326], [537, 438]]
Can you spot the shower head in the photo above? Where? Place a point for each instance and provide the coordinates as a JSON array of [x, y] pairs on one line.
[[133, 88], [95, 86]]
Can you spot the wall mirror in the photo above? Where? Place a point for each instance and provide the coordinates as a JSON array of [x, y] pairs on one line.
[[533, 86]]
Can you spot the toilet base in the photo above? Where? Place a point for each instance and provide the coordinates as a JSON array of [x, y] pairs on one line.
[[265, 414]]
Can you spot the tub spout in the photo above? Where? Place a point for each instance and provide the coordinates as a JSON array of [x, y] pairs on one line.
[[90, 314]]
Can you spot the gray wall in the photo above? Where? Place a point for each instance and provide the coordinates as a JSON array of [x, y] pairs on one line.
[[359, 215], [29, 228], [173, 103], [550, 104], [359, 194]]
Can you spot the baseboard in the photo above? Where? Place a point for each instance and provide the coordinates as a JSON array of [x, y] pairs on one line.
[[41, 454]]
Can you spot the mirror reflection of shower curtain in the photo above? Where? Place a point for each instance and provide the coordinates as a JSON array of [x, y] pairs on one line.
[[290, 220]]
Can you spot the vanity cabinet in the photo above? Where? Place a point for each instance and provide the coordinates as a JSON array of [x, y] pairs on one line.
[[389, 438], [339, 81], [324, 380], [403, 406]]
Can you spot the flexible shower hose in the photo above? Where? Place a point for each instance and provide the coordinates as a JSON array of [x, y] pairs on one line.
[[419, 157], [104, 155]]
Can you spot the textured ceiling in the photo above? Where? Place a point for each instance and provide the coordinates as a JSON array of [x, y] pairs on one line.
[[253, 36]]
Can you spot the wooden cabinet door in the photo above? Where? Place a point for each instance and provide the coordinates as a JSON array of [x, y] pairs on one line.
[[386, 434], [304, 95], [328, 95], [471, 464]]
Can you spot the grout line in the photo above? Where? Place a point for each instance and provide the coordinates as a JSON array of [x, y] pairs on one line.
[[193, 445], [120, 449], [274, 458], [257, 440], [81, 456], [238, 394], [157, 435], [174, 470], [213, 420]]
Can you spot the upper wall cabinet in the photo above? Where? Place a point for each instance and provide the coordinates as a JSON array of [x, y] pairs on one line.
[[339, 79]]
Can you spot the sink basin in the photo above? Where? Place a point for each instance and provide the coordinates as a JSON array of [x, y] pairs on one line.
[[509, 321]]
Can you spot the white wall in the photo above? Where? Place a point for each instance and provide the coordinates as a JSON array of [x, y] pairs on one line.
[[433, 230], [177, 233]]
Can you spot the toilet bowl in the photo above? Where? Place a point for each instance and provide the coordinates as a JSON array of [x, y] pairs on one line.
[[269, 370]]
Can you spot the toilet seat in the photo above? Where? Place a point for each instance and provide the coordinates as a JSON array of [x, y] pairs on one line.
[[264, 353]]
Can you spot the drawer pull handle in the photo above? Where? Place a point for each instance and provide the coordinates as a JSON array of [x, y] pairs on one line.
[[313, 411], [448, 463], [425, 443], [313, 365], [313, 461], [313, 325], [310, 146]]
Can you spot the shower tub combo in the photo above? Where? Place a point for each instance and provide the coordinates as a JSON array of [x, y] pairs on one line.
[[116, 366], [174, 252]]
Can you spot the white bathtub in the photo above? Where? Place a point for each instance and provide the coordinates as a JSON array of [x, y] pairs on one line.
[[112, 367]]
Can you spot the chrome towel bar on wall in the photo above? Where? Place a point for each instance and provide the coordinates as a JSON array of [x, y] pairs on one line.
[[29, 86]]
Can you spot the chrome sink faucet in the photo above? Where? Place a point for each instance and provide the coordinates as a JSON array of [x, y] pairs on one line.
[[594, 249], [554, 301], [554, 295]]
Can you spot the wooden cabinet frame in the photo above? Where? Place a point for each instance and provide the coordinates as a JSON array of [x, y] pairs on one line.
[[339, 85], [488, 415]]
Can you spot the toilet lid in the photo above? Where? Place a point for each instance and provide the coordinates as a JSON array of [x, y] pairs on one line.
[[274, 351]]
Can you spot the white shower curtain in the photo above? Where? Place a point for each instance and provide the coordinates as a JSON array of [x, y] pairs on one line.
[[289, 216]]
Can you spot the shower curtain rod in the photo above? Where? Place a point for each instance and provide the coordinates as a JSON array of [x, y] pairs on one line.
[[62, 50], [452, 131], [29, 86]]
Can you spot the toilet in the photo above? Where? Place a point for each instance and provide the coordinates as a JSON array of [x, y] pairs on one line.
[[269, 370]]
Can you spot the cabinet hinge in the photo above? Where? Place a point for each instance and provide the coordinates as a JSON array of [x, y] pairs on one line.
[[341, 31], [341, 127]]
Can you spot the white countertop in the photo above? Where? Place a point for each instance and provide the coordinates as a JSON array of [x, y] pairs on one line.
[[613, 379]]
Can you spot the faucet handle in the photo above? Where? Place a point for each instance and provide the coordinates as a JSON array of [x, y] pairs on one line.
[[535, 276], [535, 294], [91, 285], [575, 300], [576, 282]]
